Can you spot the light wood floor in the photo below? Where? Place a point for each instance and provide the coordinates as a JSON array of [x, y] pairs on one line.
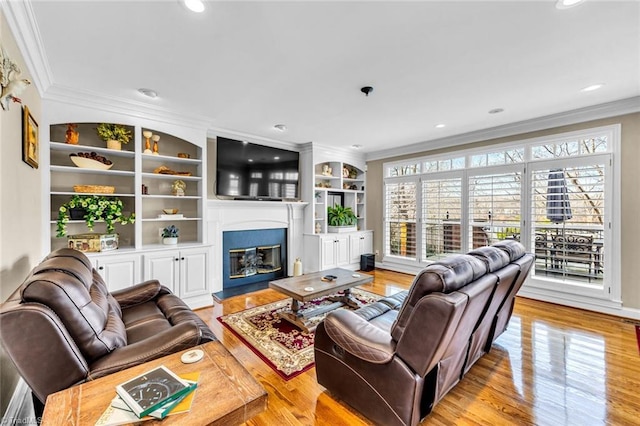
[[553, 366]]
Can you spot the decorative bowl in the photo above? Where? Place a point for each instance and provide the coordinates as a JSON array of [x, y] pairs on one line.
[[88, 163], [170, 211]]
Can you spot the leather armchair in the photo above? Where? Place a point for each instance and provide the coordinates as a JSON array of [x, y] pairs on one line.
[[62, 327]]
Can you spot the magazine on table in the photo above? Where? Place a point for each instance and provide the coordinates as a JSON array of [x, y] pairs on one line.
[[119, 413], [151, 390]]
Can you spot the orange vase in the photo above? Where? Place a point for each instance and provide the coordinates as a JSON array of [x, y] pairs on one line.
[[72, 135]]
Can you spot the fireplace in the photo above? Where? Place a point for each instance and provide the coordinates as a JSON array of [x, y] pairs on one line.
[[255, 260], [253, 256]]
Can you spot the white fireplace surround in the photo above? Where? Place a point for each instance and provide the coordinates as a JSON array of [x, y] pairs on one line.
[[232, 215]]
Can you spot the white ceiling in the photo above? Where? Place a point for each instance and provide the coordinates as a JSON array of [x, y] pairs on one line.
[[246, 66]]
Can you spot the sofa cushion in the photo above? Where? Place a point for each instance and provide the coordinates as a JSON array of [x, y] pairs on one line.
[[448, 275], [493, 257], [66, 285], [513, 248]]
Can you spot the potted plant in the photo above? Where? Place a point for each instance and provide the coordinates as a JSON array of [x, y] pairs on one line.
[[341, 219], [170, 235], [114, 134], [96, 208]]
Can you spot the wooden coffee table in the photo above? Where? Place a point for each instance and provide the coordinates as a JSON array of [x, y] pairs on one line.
[[311, 286], [226, 393]]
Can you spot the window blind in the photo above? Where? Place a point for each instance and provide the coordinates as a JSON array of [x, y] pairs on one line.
[[400, 219]]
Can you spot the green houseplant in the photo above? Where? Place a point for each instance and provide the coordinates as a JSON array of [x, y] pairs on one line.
[[170, 235], [96, 207], [114, 134], [341, 217]]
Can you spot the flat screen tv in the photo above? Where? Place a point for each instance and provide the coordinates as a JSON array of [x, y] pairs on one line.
[[256, 172]]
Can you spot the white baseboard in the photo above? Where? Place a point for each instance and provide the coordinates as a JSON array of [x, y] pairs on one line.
[[20, 408]]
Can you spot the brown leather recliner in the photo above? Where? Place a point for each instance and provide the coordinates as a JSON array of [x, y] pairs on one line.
[[395, 359], [62, 327]]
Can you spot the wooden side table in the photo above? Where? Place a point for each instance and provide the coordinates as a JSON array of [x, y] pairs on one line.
[[226, 394]]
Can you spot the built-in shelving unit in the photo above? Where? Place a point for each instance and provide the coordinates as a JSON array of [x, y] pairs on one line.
[[337, 182], [138, 183]]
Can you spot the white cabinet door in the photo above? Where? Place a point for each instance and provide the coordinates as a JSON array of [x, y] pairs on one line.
[[163, 266], [359, 244], [184, 271], [193, 272], [327, 253], [342, 249], [355, 247], [118, 271]]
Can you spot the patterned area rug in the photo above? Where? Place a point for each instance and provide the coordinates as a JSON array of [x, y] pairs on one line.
[[283, 346]]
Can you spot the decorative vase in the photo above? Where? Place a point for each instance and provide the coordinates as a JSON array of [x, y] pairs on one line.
[[72, 135], [156, 149], [170, 240], [297, 267], [113, 144], [147, 144]]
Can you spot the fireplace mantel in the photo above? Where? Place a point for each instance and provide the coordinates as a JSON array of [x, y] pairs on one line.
[[235, 215]]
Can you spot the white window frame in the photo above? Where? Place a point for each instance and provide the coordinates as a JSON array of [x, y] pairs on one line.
[[608, 299]]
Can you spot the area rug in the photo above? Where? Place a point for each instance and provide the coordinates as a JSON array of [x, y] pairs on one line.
[[638, 336], [281, 345]]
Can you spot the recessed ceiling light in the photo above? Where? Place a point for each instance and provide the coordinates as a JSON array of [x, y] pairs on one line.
[[194, 5], [149, 93], [566, 4], [280, 127], [356, 146], [250, 160], [439, 126], [276, 158], [496, 110], [591, 88]]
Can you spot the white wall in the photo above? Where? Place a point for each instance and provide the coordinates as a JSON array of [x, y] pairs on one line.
[[20, 202]]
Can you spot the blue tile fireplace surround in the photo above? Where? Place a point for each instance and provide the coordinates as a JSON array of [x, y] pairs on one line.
[[253, 256]]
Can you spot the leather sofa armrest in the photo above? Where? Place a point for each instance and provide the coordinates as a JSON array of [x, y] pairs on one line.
[[137, 294], [42, 350], [358, 337], [179, 337]]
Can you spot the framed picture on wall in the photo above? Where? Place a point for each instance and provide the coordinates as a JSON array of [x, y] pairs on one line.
[[30, 141]]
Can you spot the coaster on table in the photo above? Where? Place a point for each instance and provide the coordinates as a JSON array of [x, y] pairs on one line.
[[192, 356]]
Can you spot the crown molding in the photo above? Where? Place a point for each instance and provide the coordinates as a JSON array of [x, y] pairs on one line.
[[606, 110], [22, 22], [113, 104], [213, 132]]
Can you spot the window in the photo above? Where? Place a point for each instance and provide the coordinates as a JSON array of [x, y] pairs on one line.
[[400, 219], [554, 194], [441, 217], [494, 207], [568, 218]]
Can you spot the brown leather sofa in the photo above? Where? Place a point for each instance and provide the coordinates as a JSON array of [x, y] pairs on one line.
[[395, 359], [62, 327]]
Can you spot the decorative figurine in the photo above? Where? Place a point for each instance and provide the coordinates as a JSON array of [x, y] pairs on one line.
[[326, 170], [147, 144], [155, 139], [318, 227], [10, 85], [71, 135], [178, 188]]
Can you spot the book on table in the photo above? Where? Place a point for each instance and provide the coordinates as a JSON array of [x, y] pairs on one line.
[[152, 390], [119, 413]]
